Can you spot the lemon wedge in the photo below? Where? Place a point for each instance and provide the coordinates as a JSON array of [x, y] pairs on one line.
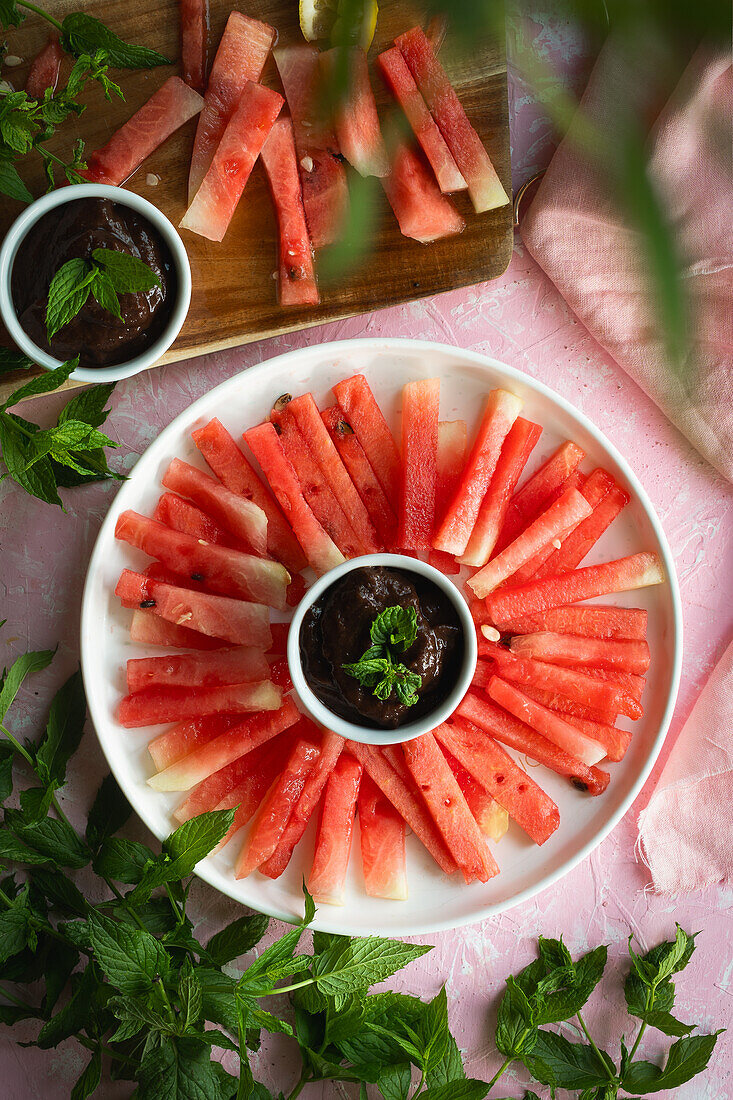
[[322, 19]]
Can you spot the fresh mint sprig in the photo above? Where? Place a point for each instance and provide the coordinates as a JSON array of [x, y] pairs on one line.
[[393, 631], [108, 274]]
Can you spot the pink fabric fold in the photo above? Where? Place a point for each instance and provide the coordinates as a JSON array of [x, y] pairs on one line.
[[686, 831], [574, 231]]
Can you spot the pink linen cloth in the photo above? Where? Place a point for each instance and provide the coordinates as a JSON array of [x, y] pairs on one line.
[[686, 831], [575, 232]]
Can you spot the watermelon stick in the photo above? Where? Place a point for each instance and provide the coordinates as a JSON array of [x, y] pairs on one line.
[[212, 793], [526, 802], [449, 809], [244, 519], [622, 575], [515, 451], [194, 15], [321, 551], [567, 650], [222, 750], [331, 748], [517, 735], [614, 740], [296, 282], [181, 515], [589, 621], [450, 460], [305, 412], [556, 701], [423, 212], [538, 492], [382, 834], [405, 802], [241, 56], [167, 109], [580, 541], [567, 511], [273, 814], [502, 409], [197, 670], [147, 628], [327, 878], [247, 790], [231, 466], [402, 85], [484, 186], [355, 112], [361, 473], [491, 818], [178, 741], [420, 408], [547, 722], [359, 406], [172, 704]]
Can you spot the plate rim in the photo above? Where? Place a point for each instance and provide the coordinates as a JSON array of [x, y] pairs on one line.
[[385, 345]]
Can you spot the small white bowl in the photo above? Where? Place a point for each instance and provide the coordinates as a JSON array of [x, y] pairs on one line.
[[18, 231], [368, 735]]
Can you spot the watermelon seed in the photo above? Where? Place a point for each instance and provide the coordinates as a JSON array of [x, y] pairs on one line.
[[500, 779], [197, 576], [147, 603], [579, 784]]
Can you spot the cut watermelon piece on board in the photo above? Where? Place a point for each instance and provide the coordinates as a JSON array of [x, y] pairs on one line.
[[147, 628], [406, 801], [449, 809], [570, 651], [234, 621], [423, 212], [320, 550], [545, 721], [402, 85], [355, 112], [194, 16], [216, 791], [172, 704], [577, 685], [243, 519], [240, 57], [178, 741], [233, 469], [581, 541], [214, 203], [315, 486], [322, 175], [382, 834], [595, 487], [360, 408], [45, 69], [474, 163], [450, 460], [502, 409], [327, 878], [234, 743], [331, 747], [308, 419], [196, 670], [181, 515], [166, 110], [224, 571], [515, 451], [361, 473], [517, 735], [273, 814], [622, 575], [420, 411], [296, 276], [539, 491], [525, 802], [590, 621], [568, 509], [491, 818]]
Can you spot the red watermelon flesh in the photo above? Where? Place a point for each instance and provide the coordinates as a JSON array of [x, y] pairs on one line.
[[223, 666], [213, 792], [241, 517], [360, 408], [581, 541], [382, 835], [539, 491], [194, 15], [327, 877], [570, 651], [355, 113], [420, 409], [423, 212], [184, 516], [45, 68], [147, 628], [151, 706], [491, 818], [178, 741], [588, 621], [361, 473]]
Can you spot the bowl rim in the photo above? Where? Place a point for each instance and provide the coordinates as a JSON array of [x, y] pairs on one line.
[[17, 233], [368, 735]]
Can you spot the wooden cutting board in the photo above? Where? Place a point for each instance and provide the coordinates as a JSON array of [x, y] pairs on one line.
[[234, 292]]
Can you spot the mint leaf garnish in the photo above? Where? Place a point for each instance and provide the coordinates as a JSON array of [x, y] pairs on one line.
[[105, 276], [393, 631]]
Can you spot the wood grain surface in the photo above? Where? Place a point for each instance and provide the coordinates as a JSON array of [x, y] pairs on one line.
[[234, 291]]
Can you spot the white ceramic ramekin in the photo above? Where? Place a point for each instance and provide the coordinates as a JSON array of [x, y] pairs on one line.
[[367, 734], [25, 221]]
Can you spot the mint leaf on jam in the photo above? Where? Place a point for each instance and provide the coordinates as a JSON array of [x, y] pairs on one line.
[[393, 631], [105, 276]]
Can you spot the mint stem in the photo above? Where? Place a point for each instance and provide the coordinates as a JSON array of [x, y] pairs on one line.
[[499, 1073], [17, 1001], [41, 12]]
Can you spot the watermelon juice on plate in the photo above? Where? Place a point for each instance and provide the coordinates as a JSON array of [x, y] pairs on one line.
[[439, 455]]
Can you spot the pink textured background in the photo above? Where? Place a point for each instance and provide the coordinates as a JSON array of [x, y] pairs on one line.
[[520, 319]]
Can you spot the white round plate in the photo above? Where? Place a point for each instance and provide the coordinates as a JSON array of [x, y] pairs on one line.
[[436, 902]]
